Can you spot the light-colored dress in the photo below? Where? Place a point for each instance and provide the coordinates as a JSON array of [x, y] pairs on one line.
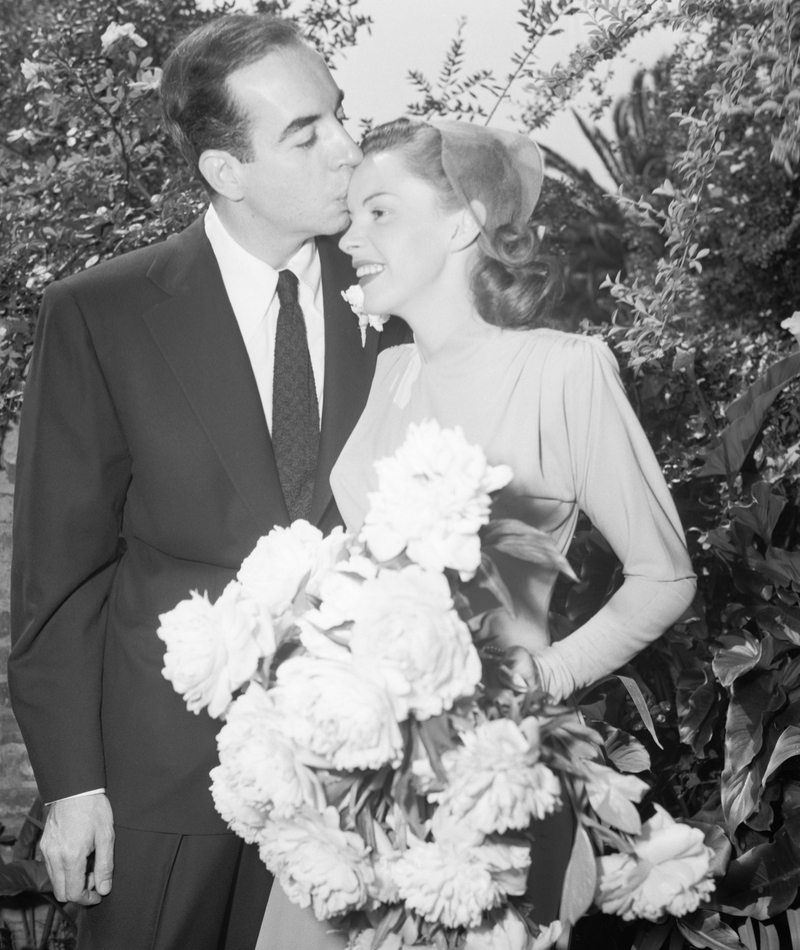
[[552, 406]]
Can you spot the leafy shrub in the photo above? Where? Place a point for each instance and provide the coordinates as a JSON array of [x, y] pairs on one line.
[[703, 268]]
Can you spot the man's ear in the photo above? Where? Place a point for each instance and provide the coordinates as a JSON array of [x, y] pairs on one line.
[[221, 170], [468, 225]]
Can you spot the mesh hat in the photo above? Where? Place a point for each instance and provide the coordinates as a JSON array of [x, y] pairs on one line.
[[502, 170]]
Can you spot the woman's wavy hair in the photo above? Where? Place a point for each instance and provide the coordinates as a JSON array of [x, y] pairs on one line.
[[513, 284]]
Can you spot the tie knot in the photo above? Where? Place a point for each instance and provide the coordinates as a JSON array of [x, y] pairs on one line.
[[287, 287]]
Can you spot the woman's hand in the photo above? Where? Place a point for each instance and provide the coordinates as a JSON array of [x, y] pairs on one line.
[[522, 669]]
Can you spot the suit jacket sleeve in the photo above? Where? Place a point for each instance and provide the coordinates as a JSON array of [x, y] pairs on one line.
[[72, 475]]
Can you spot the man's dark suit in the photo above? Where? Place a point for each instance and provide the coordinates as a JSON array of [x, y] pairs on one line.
[[145, 471]]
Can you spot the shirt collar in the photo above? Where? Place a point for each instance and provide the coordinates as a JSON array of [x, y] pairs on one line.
[[249, 281]]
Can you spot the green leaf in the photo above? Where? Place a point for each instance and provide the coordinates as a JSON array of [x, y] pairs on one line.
[[716, 839], [705, 929], [614, 808], [437, 738], [697, 706], [738, 654], [626, 752], [793, 920], [787, 747], [651, 936], [31, 832], [526, 543], [580, 882], [637, 696], [747, 415], [785, 563], [762, 515], [750, 703], [488, 577], [740, 790], [747, 934], [24, 875], [790, 807], [780, 622], [768, 937], [763, 881], [391, 920]]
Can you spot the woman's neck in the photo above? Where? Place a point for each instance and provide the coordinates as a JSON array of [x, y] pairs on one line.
[[437, 317]]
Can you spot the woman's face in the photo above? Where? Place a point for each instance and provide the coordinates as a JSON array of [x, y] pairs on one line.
[[399, 236]]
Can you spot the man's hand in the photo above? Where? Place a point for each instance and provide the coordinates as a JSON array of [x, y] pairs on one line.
[[78, 848]]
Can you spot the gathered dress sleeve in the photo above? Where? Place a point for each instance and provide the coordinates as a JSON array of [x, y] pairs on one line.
[[617, 481]]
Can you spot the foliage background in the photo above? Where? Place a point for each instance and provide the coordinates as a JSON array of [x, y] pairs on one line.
[[691, 271]]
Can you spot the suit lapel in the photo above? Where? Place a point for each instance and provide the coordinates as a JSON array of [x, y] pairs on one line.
[[348, 370], [197, 332]]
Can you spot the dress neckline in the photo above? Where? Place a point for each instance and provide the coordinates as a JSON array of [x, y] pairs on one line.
[[464, 338]]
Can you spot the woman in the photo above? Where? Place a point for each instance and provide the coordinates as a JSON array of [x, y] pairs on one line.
[[441, 236]]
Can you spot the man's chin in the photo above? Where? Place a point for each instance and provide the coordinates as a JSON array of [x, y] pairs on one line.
[[335, 224]]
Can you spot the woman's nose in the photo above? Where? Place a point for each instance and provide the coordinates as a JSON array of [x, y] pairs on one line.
[[349, 241]]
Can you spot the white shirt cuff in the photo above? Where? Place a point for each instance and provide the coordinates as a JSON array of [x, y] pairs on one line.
[[93, 791]]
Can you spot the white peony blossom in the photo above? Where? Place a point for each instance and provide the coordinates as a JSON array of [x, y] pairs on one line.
[[339, 592], [259, 766], [318, 864], [405, 627], [242, 818], [495, 781], [336, 709], [286, 561], [115, 32], [507, 931], [213, 649], [354, 295], [433, 497], [454, 880], [669, 871]]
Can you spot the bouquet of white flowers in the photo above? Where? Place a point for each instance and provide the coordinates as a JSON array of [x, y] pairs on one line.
[[377, 749]]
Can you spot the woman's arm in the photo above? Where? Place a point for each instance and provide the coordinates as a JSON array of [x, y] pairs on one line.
[[618, 483]]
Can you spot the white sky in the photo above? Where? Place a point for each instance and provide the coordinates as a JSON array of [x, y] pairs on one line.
[[415, 34]]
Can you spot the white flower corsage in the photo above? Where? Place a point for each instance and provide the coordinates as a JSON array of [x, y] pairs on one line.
[[354, 295]]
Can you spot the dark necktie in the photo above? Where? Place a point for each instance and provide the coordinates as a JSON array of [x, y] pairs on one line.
[[295, 412]]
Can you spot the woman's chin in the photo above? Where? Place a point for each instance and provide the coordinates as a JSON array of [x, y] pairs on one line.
[[374, 303]]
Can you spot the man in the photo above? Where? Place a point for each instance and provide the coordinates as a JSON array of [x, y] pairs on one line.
[[148, 469]]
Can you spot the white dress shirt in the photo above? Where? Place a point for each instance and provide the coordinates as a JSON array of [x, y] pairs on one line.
[[252, 286]]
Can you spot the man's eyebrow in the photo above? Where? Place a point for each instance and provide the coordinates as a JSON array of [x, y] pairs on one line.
[[303, 121], [298, 124]]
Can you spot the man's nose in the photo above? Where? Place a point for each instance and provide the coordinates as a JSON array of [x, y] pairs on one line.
[[348, 153]]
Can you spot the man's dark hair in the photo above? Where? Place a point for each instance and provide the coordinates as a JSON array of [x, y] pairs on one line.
[[199, 111]]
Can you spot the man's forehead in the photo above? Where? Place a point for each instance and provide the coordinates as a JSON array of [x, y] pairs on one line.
[[296, 68]]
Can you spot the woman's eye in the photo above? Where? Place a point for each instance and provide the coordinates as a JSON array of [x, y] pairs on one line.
[[377, 212]]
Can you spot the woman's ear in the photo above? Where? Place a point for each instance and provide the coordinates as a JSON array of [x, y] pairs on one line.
[[468, 225], [221, 170]]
